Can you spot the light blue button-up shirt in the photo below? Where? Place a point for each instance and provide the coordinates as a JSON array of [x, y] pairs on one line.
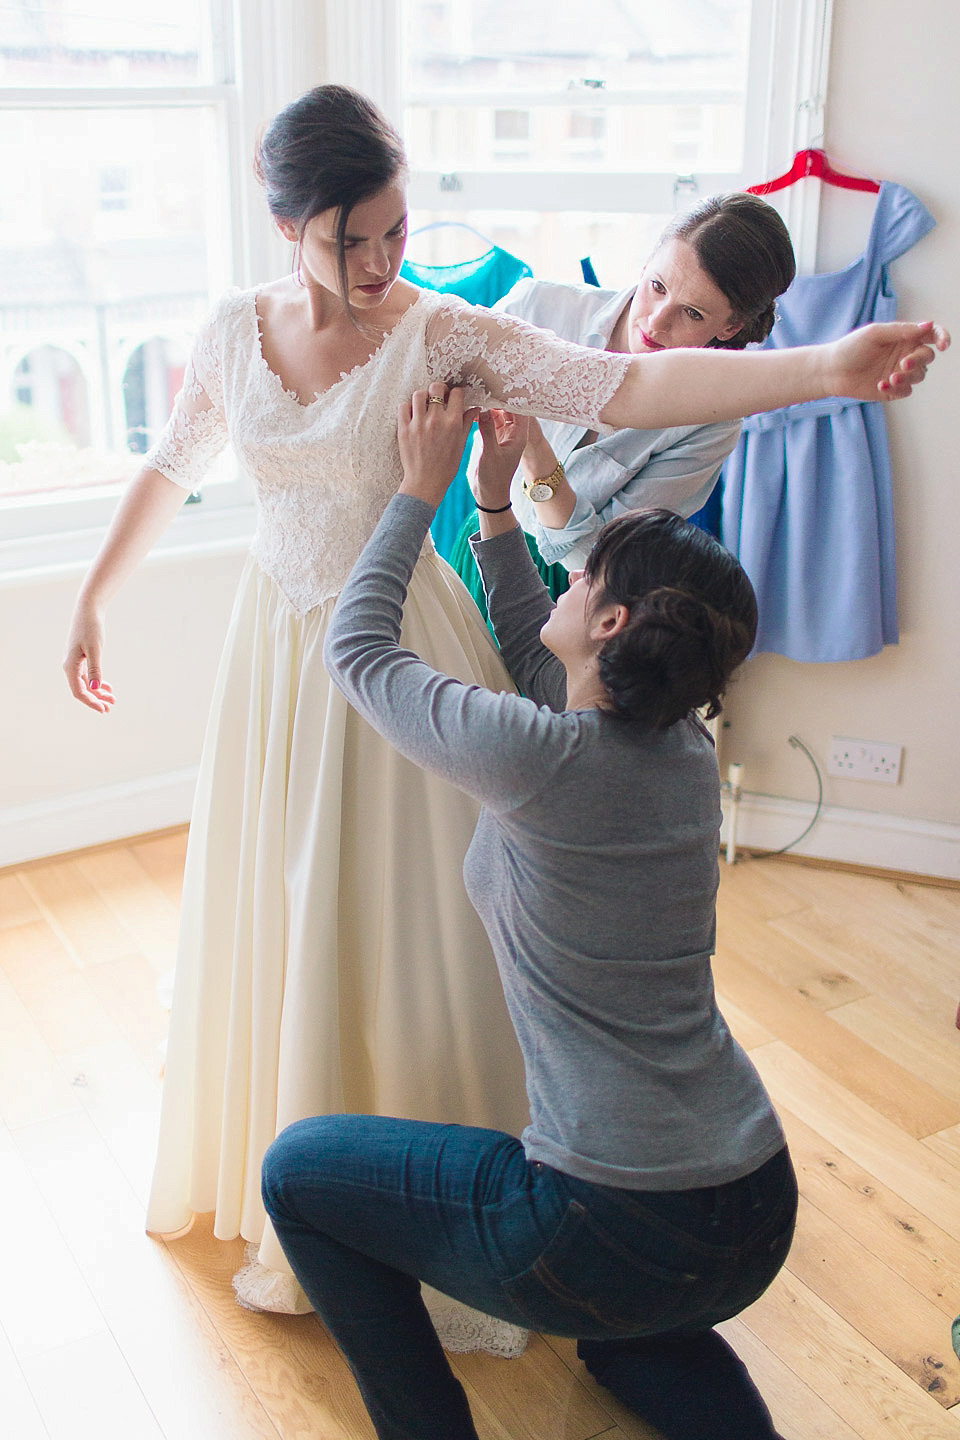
[[626, 469]]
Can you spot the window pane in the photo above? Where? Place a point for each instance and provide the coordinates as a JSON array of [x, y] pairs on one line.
[[552, 245], [104, 276], [49, 382], [151, 382], [657, 85], [104, 42]]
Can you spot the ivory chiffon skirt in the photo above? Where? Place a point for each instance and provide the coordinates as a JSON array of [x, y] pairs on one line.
[[329, 958]]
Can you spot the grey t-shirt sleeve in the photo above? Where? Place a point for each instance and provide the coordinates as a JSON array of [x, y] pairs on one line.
[[502, 749], [518, 603]]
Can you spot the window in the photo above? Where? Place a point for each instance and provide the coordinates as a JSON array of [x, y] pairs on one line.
[[577, 129], [115, 188], [115, 135], [511, 124]]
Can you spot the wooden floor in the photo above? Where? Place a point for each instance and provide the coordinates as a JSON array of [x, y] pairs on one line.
[[843, 988]]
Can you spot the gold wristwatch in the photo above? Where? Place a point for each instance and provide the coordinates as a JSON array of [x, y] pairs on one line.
[[546, 487]]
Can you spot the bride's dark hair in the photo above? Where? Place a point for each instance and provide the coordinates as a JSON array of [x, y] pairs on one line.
[[693, 616], [329, 150]]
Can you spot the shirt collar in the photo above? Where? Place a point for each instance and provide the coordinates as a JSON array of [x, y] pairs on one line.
[[606, 317]]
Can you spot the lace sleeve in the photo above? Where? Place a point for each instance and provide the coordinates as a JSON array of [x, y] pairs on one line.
[[505, 361], [197, 429]]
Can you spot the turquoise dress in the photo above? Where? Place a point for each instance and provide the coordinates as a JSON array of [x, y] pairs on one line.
[[482, 282], [808, 492]]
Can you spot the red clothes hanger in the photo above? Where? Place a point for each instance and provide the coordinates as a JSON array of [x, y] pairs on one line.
[[815, 164]]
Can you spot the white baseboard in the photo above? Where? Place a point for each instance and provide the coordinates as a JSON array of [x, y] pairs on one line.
[[853, 837], [94, 817]]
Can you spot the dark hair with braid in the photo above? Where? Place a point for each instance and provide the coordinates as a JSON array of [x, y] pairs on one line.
[[693, 616], [330, 150], [743, 245]]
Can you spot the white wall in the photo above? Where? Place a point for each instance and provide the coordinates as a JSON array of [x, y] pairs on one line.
[[892, 113], [70, 777]]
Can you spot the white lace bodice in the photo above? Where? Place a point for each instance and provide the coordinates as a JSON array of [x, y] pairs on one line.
[[324, 472]]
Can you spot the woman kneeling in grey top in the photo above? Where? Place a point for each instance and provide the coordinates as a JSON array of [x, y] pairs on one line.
[[651, 1196]]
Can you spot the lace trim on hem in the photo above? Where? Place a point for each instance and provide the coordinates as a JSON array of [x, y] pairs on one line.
[[463, 1330], [301, 605]]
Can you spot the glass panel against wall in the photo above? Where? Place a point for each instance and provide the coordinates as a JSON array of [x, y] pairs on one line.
[[48, 409], [151, 381], [112, 223]]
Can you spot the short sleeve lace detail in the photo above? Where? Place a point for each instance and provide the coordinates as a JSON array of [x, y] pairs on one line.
[[197, 429], [506, 361]]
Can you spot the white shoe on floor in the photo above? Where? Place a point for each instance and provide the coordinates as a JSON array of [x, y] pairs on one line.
[[258, 1288], [460, 1328]]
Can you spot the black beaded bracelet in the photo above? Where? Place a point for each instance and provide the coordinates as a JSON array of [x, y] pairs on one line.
[[489, 510]]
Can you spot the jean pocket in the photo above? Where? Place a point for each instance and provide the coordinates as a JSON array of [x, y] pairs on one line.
[[590, 1281]]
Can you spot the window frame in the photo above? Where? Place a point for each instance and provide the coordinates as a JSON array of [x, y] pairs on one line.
[[54, 531], [787, 85]]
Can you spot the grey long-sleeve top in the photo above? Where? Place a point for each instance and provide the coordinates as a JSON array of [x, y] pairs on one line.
[[594, 870]]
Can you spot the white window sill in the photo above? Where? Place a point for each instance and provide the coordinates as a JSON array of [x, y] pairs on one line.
[[195, 533]]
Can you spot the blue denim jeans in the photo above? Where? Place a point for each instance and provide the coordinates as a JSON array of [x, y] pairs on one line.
[[366, 1207]]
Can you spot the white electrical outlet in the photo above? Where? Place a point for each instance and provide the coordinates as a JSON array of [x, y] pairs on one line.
[[864, 760]]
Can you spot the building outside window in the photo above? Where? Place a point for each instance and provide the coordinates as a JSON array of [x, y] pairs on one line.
[[585, 111], [635, 111], [112, 140]]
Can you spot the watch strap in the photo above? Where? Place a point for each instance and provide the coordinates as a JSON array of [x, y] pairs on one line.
[[553, 480]]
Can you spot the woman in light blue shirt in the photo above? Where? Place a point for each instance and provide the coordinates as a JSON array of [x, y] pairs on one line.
[[711, 282]]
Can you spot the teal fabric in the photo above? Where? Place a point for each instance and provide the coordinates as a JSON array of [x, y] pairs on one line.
[[555, 577], [482, 282]]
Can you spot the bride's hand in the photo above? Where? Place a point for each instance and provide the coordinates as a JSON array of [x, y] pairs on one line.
[[885, 361]]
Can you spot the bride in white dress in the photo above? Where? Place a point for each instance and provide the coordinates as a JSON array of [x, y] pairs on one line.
[[329, 959]]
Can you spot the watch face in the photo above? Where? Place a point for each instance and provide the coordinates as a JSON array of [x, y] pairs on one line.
[[541, 492]]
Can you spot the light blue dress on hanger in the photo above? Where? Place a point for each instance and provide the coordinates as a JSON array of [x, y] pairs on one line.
[[808, 491]]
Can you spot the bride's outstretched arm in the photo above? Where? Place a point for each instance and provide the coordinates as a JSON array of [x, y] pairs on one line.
[[686, 387], [512, 365]]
